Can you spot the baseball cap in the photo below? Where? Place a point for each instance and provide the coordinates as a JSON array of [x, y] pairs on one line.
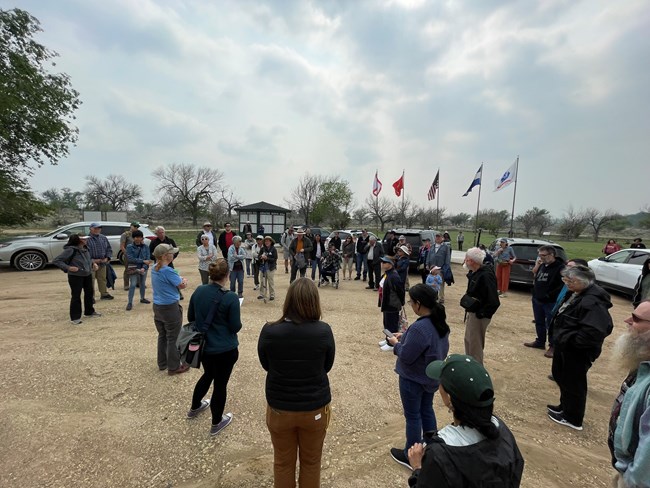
[[162, 249], [387, 260], [260, 237], [402, 237], [135, 223], [206, 224], [464, 378], [95, 224]]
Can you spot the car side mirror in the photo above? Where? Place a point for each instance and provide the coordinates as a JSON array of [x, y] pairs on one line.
[[602, 258], [61, 237]]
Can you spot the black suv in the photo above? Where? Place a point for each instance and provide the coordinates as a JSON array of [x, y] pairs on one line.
[[414, 238], [526, 252]]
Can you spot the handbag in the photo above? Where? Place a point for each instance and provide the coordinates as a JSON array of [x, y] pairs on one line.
[[470, 303], [301, 262]]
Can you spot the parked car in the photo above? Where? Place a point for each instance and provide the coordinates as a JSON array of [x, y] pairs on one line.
[[31, 253], [314, 230], [620, 270], [414, 237], [526, 252], [343, 234]]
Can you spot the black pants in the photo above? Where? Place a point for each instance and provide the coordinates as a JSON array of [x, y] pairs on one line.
[[294, 271], [217, 368], [374, 274], [569, 369], [256, 273], [77, 284], [391, 321]]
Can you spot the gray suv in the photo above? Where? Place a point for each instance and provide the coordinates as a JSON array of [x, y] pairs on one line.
[[31, 253], [526, 252], [414, 237]]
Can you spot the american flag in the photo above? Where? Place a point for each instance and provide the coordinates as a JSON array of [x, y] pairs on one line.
[[434, 187]]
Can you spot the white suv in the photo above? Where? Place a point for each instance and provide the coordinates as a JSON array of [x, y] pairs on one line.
[[31, 253]]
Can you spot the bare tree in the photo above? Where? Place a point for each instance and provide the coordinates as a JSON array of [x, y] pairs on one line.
[[572, 223], [598, 220], [432, 218], [534, 219], [229, 201], [359, 215], [403, 210], [304, 196], [190, 188], [380, 209], [113, 193]]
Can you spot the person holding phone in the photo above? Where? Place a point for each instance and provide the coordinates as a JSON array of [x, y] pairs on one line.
[[425, 341]]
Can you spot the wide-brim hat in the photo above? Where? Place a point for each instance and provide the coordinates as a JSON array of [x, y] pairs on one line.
[[270, 239], [300, 232], [386, 259], [405, 250]]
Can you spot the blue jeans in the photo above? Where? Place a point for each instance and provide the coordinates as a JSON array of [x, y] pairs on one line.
[[418, 411], [542, 314], [315, 264], [249, 268], [237, 276], [134, 280], [362, 262]]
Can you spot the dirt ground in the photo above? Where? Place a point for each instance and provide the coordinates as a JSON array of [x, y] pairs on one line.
[[86, 405]]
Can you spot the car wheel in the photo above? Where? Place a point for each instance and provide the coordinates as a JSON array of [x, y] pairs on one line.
[[29, 261]]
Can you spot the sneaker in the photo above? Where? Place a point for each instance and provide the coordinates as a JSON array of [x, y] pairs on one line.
[[558, 418], [256, 287], [144, 300], [557, 409], [382, 343], [94, 314], [271, 299], [126, 288], [225, 422], [260, 297], [399, 457], [386, 348], [504, 294], [192, 413], [550, 377], [76, 322], [357, 278], [129, 306], [370, 287], [240, 295], [107, 297], [535, 345], [183, 368]]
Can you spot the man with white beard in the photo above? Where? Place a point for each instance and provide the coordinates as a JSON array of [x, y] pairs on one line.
[[629, 424]]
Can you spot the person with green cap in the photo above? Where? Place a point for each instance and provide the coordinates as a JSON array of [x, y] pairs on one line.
[[477, 449]]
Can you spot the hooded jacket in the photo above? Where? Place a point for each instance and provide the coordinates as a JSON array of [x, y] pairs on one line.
[[74, 256], [585, 322]]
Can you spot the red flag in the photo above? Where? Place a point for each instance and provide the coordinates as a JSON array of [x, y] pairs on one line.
[[399, 186], [376, 186]]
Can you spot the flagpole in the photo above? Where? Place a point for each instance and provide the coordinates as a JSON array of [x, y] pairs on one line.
[[478, 204], [438, 202], [403, 195], [514, 195]]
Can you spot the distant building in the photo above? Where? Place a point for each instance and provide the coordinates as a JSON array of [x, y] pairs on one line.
[[272, 217]]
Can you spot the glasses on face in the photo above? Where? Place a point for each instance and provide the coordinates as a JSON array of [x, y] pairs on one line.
[[542, 255]]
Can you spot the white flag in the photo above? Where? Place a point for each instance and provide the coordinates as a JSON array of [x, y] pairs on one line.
[[508, 177]]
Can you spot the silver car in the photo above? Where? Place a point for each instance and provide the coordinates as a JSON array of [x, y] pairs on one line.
[[31, 253]]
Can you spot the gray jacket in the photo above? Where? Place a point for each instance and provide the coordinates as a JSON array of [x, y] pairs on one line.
[[440, 258], [74, 256]]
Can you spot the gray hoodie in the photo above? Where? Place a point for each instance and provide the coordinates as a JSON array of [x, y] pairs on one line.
[[74, 256]]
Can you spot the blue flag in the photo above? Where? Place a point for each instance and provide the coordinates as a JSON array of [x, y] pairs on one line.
[[476, 181]]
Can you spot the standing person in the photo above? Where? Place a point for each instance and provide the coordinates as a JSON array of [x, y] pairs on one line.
[[248, 228], [390, 298], [374, 253], [297, 352], [347, 250], [300, 249], [480, 302], [362, 259], [336, 240], [317, 252], [580, 326], [207, 232], [206, 253], [260, 229], [126, 239], [268, 263], [248, 247], [138, 260], [611, 247], [546, 287], [167, 312], [259, 242], [477, 449], [236, 257], [504, 257], [220, 351], [637, 244], [100, 252], [629, 435], [402, 265], [285, 242], [460, 239], [425, 341], [390, 244], [401, 241], [423, 257], [75, 260], [163, 238], [225, 239], [446, 238], [642, 287], [439, 255]]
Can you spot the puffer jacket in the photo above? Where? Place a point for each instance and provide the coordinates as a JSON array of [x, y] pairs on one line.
[[74, 256]]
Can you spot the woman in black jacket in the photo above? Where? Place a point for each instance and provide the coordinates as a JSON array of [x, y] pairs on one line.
[[297, 351]]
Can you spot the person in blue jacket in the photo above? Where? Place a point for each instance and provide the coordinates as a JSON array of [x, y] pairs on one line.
[[138, 260]]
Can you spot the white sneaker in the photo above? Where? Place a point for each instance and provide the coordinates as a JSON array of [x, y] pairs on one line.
[[386, 348], [382, 343]]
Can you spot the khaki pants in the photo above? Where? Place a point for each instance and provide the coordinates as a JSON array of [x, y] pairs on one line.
[[100, 276], [270, 284], [475, 329], [297, 435], [441, 293]]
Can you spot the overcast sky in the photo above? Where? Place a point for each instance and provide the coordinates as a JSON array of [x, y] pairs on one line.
[[268, 90]]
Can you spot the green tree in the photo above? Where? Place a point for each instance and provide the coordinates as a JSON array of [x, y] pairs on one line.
[[493, 220], [18, 205], [36, 106], [537, 219], [459, 220], [304, 196], [65, 204], [333, 203]]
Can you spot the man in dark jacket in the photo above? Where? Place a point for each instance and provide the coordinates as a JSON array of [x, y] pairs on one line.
[[390, 244], [546, 287], [207, 231], [300, 245], [362, 261], [581, 324], [374, 252], [480, 302]]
